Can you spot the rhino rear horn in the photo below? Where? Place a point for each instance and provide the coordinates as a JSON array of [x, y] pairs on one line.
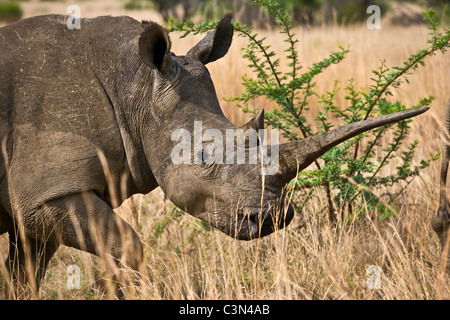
[[256, 123], [216, 44], [154, 47], [252, 127]]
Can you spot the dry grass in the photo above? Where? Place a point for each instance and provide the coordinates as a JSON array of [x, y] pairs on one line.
[[186, 261]]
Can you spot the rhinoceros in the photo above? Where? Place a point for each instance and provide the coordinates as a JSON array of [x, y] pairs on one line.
[[441, 219], [86, 121]]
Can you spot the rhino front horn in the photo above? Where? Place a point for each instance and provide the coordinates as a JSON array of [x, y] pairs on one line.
[[296, 156]]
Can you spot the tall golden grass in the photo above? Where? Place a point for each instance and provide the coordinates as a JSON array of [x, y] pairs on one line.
[[309, 259]]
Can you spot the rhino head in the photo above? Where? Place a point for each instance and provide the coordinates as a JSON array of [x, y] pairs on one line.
[[240, 199]]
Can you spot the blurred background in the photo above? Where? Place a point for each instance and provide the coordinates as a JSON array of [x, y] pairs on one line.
[[303, 12]]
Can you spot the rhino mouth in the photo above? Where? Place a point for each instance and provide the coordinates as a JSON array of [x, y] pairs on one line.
[[260, 223]]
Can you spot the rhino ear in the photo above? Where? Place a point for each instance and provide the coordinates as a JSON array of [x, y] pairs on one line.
[[154, 47], [216, 44]]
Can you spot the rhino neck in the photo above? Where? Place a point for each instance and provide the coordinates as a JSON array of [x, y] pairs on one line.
[[126, 86]]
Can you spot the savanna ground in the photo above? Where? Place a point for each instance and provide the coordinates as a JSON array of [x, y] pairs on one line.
[[309, 259]]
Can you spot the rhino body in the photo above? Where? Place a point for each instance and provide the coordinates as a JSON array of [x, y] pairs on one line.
[[86, 118]]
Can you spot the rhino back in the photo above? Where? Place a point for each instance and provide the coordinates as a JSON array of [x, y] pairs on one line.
[[54, 110]]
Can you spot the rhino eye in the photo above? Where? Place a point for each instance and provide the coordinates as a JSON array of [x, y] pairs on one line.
[[205, 155]]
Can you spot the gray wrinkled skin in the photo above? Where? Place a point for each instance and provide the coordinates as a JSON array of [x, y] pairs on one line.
[[86, 122]]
